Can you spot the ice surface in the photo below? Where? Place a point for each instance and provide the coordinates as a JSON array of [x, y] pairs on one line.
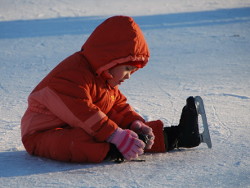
[[198, 47]]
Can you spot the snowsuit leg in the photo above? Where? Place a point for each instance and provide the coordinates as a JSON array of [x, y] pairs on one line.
[[160, 144], [66, 144]]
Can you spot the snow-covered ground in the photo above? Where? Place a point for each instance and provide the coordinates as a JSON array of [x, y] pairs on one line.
[[198, 47]]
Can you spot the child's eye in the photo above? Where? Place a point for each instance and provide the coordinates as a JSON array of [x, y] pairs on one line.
[[128, 68]]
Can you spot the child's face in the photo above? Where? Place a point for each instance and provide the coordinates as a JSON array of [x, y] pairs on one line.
[[120, 73]]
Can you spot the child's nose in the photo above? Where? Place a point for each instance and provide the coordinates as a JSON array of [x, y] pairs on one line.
[[127, 76]]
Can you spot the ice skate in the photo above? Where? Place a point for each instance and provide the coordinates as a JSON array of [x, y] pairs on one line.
[[187, 134], [188, 126]]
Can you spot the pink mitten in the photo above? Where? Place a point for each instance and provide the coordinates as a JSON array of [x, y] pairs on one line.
[[127, 143], [141, 128]]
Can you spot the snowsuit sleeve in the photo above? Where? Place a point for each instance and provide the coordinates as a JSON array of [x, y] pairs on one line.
[[122, 113], [68, 95]]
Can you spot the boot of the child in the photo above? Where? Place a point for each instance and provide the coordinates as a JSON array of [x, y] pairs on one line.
[[114, 154], [186, 134]]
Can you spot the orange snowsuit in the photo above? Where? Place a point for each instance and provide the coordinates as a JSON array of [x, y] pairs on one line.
[[72, 111]]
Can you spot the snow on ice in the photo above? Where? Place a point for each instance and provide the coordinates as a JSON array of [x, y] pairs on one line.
[[198, 47]]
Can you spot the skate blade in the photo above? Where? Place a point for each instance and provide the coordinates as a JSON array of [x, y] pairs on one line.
[[205, 135]]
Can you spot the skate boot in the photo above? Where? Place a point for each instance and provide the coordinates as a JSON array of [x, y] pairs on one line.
[[114, 154], [188, 126], [186, 134]]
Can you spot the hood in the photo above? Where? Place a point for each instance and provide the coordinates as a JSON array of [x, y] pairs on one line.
[[117, 40]]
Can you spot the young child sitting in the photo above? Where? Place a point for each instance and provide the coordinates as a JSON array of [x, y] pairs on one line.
[[78, 114]]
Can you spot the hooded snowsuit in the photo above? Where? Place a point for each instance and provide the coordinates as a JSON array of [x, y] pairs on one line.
[[72, 111]]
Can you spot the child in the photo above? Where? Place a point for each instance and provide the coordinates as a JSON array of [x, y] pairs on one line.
[[78, 114]]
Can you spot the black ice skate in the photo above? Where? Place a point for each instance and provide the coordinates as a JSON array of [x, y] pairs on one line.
[[188, 126], [186, 134]]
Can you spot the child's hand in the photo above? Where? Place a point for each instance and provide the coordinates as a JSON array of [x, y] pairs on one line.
[[141, 128], [127, 143]]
